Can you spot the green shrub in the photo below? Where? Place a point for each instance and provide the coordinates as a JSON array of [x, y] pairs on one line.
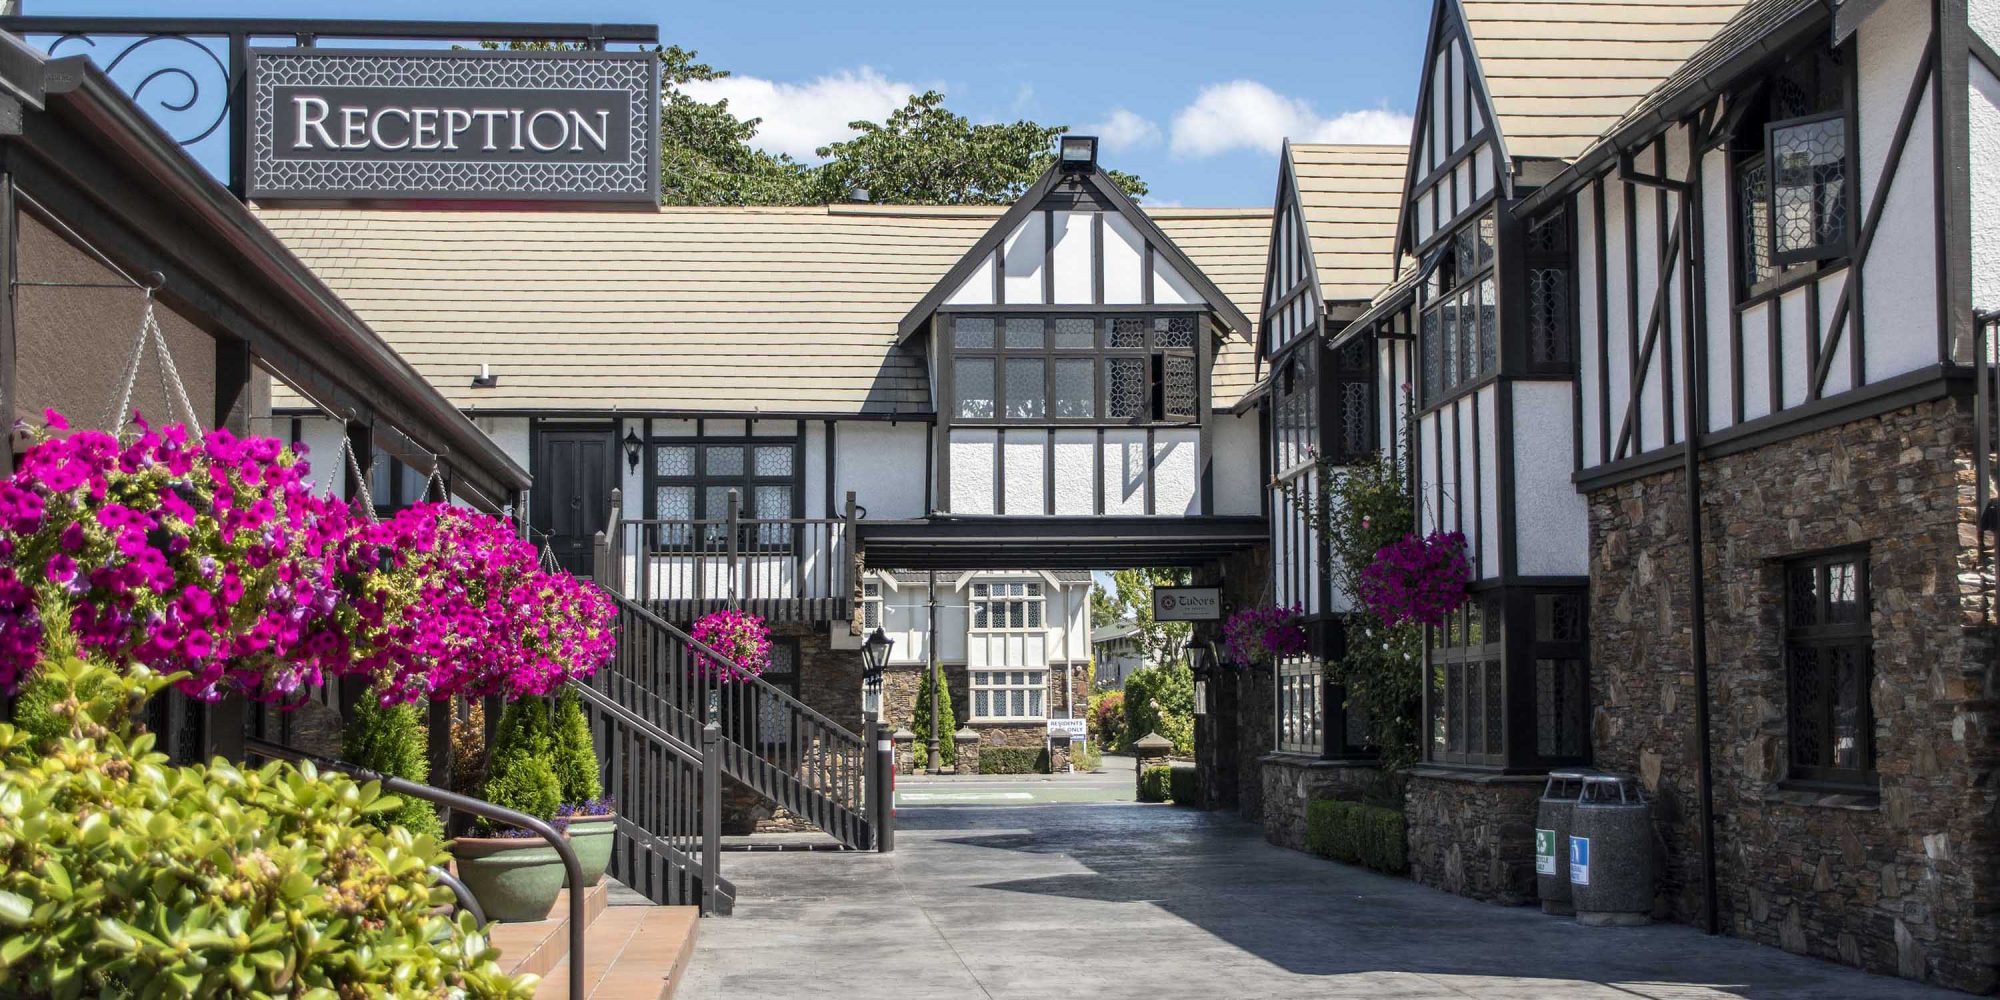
[[1161, 700], [121, 875], [1107, 719], [1156, 783], [575, 752], [519, 772], [393, 741], [1085, 756], [948, 722], [1358, 834], [1013, 760], [1184, 785]]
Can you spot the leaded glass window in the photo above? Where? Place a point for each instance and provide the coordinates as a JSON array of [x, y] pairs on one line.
[[1794, 185], [1829, 670], [1026, 391], [1550, 299], [1075, 389], [690, 480], [972, 380], [1459, 332], [1301, 709], [1042, 369], [1125, 388], [1005, 695], [1808, 188], [1004, 606]]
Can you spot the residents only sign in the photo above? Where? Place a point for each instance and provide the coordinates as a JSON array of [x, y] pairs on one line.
[[363, 124]]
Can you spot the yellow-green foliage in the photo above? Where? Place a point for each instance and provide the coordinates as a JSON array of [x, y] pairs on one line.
[[1156, 783], [519, 773], [575, 760], [393, 741], [123, 876]]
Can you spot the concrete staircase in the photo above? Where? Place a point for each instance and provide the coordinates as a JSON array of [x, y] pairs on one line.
[[630, 952]]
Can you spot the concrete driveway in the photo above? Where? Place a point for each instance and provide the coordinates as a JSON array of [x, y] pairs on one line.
[[1144, 901]]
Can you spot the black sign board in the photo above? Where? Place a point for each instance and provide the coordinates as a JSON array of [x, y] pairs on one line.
[[364, 124]]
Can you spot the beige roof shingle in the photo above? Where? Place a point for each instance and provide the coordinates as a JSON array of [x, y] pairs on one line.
[[1561, 72], [1349, 196], [789, 310]]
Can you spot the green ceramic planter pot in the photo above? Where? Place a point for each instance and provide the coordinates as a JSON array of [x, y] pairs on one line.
[[515, 879], [591, 837]]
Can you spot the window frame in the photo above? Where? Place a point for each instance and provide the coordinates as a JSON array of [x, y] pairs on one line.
[[745, 483], [974, 689], [1299, 722], [1819, 251], [1466, 287], [1799, 267], [1153, 355], [1825, 634], [871, 605], [1034, 595]]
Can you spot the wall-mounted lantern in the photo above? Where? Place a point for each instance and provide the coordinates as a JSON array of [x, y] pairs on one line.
[[633, 448]]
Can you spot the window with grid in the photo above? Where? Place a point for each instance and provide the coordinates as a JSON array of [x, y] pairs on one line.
[[1353, 403], [1009, 695], [1459, 333], [1301, 715], [1466, 695], [1076, 369], [1295, 414], [691, 480], [1829, 669], [871, 607], [1007, 607], [1793, 189], [1545, 248]]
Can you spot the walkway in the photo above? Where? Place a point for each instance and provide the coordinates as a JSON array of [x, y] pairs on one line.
[[1113, 901]]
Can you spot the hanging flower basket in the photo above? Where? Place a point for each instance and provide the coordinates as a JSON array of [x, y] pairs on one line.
[[1418, 580], [741, 637], [1258, 635]]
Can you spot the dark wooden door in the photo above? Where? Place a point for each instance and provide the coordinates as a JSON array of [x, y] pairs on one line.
[[575, 471]]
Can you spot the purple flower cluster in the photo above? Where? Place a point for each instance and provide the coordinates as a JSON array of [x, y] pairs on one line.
[[742, 637], [1418, 579], [1253, 635], [212, 556], [594, 807]]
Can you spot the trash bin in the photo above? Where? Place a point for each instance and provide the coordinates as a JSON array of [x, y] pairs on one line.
[[1611, 853], [1552, 819]]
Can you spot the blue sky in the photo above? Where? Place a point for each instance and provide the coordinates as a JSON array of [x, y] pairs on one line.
[[1194, 97]]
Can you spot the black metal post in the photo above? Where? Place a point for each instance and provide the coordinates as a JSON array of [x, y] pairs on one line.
[[735, 545], [883, 789], [711, 816]]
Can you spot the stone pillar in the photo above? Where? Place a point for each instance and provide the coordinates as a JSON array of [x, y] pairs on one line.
[[1149, 750], [968, 750], [906, 758], [1058, 753]]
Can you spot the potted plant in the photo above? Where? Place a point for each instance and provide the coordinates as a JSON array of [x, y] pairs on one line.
[[513, 873], [590, 817]]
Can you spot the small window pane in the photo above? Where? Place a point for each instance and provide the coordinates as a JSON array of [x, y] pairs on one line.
[[673, 503], [1025, 389], [1183, 391], [1448, 337], [1125, 331], [1076, 389], [774, 460], [1808, 187], [980, 704], [773, 501], [1024, 333], [974, 380], [1486, 238], [717, 499], [1489, 327], [1753, 187], [1125, 388], [979, 590], [974, 331], [1020, 699], [673, 460], [725, 461], [1174, 331], [1034, 614], [1075, 333], [1034, 702], [979, 616]]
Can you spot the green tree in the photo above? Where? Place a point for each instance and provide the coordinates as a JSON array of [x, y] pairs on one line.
[[1161, 700], [925, 154], [575, 758], [705, 153], [518, 771], [393, 741], [1132, 600], [1104, 609], [948, 721]]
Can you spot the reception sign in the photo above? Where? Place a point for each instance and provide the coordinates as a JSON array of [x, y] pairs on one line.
[[364, 124]]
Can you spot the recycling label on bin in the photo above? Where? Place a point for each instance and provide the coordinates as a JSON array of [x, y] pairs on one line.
[[1579, 860], [1545, 852]]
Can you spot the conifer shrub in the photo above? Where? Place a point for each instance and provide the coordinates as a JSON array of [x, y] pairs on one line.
[[519, 772], [575, 760], [948, 721], [392, 740]]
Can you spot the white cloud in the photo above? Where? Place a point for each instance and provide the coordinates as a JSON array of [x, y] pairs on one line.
[[1245, 114], [798, 118], [1123, 129]]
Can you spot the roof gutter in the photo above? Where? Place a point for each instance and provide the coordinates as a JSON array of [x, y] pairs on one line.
[[101, 103], [1713, 83]]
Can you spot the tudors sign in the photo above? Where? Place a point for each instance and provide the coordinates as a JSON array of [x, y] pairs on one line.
[[1187, 604], [332, 124]]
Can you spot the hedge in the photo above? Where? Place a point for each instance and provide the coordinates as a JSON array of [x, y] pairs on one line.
[[1013, 760], [1184, 784], [1156, 783], [1366, 835]]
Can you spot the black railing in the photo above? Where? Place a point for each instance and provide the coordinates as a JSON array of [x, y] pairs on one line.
[[1986, 451], [786, 752], [573, 871], [786, 569]]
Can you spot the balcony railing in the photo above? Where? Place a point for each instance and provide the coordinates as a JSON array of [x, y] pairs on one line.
[[788, 569]]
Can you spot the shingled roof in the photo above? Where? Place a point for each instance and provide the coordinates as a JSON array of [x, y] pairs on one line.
[[777, 310], [1562, 72], [1349, 196]]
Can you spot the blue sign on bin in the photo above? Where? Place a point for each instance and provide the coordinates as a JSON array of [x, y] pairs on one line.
[[1579, 860]]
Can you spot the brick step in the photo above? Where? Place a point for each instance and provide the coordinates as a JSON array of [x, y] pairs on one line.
[[538, 946], [632, 953]]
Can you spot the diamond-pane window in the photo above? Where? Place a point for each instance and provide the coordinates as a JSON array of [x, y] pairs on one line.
[[1808, 188], [1074, 333], [1024, 333], [974, 331], [1174, 331], [1026, 393], [773, 460], [674, 460], [1075, 388], [973, 378], [1182, 391], [1125, 388], [1125, 331]]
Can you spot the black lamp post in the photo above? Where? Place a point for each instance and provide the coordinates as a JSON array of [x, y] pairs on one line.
[[874, 658]]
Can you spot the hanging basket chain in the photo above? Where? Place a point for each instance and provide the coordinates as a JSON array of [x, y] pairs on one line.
[[171, 385]]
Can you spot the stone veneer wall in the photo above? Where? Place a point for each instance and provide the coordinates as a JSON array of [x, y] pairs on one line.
[[1290, 781], [1905, 885], [1256, 736], [1474, 836]]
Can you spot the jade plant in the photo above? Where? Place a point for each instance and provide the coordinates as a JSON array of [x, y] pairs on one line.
[[121, 875], [392, 740]]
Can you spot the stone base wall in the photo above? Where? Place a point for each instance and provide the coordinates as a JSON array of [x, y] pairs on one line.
[[829, 678], [1474, 836], [1289, 783], [1901, 882]]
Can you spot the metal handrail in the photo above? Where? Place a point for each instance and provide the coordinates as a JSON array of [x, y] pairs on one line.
[[701, 648], [573, 871], [466, 900]]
